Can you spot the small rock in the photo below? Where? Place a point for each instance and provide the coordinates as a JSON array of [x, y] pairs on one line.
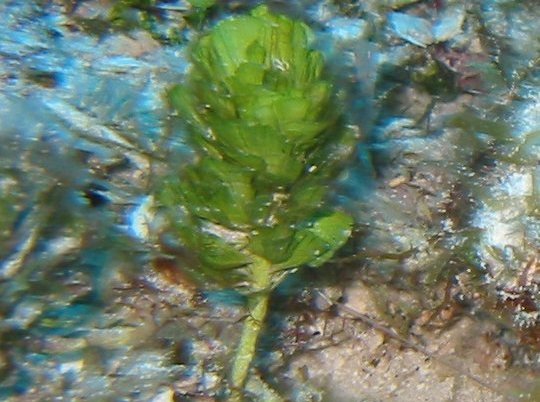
[[25, 314], [166, 395], [413, 29]]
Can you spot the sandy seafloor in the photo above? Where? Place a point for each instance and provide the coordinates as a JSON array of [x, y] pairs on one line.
[[435, 298]]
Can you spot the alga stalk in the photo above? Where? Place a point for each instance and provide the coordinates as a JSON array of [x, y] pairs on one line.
[[266, 128], [257, 305]]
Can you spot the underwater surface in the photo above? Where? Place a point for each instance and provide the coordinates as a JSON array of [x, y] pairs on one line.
[[436, 294]]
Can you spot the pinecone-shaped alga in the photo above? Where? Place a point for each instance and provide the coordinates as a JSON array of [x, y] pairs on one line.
[[266, 128]]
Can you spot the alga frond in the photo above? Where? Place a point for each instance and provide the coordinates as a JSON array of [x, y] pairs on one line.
[[266, 127]]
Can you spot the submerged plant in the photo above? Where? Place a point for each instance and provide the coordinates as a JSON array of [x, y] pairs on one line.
[[265, 126]]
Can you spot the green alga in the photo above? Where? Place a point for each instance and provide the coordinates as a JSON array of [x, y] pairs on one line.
[[265, 125]]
